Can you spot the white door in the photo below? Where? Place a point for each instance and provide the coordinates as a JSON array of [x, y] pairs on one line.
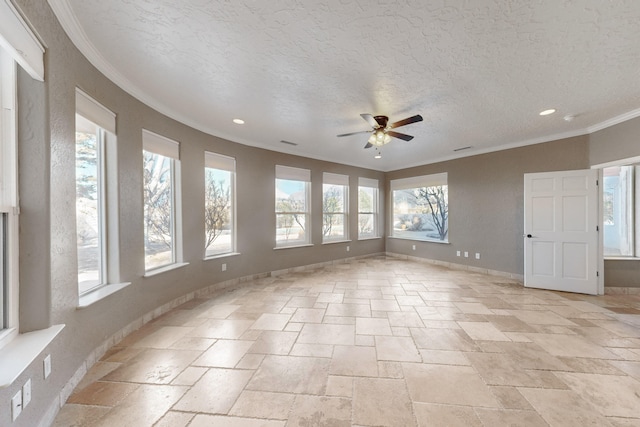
[[561, 231]]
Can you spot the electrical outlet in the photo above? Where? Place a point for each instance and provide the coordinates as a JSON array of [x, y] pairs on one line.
[[466, 254], [224, 267], [413, 247], [348, 248], [26, 393], [47, 366], [477, 255], [457, 253], [16, 405]]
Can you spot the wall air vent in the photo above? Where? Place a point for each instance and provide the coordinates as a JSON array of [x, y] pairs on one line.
[[463, 148]]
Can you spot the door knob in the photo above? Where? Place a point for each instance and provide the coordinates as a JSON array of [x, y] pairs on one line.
[[529, 236]]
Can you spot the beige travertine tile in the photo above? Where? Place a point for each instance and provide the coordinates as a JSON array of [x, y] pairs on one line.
[[226, 421], [571, 346], [430, 414], [175, 419], [320, 411], [308, 315], [444, 357], [473, 308], [223, 329], [443, 339], [313, 333], [146, 405], [611, 395], [271, 322], [312, 350], [288, 374], [553, 406], [385, 305], [274, 342], [405, 318], [541, 317], [193, 343], [378, 401], [72, 415], [453, 385], [189, 376], [103, 393], [97, 371], [365, 340], [224, 354], [483, 331], [371, 326], [263, 404], [398, 349], [510, 398], [339, 386], [508, 417], [354, 361], [387, 369], [215, 392], [153, 366], [348, 310], [504, 370], [219, 311], [164, 337]]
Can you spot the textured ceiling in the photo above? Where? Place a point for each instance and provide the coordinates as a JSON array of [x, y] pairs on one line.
[[479, 71]]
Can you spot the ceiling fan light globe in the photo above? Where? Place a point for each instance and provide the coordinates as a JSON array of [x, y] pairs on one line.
[[387, 138]]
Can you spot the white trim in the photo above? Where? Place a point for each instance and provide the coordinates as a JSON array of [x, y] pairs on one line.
[[100, 293], [335, 179], [621, 162], [19, 40], [419, 181], [219, 161], [164, 269], [95, 112], [294, 245], [367, 182], [161, 145], [614, 121]]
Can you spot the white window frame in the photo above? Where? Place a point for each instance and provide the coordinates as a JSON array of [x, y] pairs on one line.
[[9, 206], [375, 207], [228, 164], [330, 180], [634, 208], [424, 181], [294, 174], [163, 146]]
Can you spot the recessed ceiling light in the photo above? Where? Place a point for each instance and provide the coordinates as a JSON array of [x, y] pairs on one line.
[[547, 112], [238, 121]]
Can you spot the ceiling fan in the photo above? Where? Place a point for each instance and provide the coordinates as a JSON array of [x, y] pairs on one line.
[[382, 133]]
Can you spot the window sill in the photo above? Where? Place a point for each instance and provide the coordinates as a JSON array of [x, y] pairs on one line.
[[225, 255], [441, 242], [330, 242], [164, 269], [302, 245], [370, 238], [102, 292], [621, 258], [16, 356]]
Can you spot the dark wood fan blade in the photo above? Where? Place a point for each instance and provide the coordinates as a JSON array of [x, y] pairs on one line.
[[369, 118], [369, 145], [407, 121], [400, 135], [354, 133]]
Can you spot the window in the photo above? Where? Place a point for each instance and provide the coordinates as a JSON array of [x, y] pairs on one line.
[[335, 202], [293, 187], [161, 198], [621, 185], [420, 208], [94, 125], [219, 204], [367, 208], [8, 201]]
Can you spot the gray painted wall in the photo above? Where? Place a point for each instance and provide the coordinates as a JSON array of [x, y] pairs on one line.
[[486, 193], [616, 143]]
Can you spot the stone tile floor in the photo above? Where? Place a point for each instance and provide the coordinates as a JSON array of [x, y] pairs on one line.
[[374, 342]]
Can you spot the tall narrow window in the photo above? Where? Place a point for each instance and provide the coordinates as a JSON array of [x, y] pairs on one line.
[[8, 198], [161, 176], [367, 208], [335, 202], [420, 208], [293, 187], [94, 123], [219, 204], [621, 210]]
